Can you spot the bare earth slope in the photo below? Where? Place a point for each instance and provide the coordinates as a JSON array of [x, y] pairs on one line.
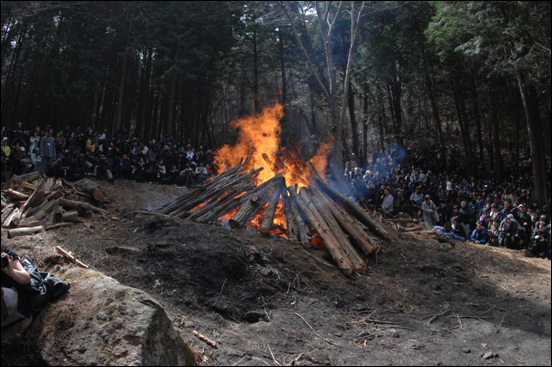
[[266, 301]]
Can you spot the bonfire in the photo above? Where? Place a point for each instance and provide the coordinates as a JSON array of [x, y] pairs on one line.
[[270, 187]]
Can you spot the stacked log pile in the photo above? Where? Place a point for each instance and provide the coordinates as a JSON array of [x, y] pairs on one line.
[[314, 210], [32, 203]]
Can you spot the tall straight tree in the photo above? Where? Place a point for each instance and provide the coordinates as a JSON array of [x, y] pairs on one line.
[[327, 14], [506, 39]]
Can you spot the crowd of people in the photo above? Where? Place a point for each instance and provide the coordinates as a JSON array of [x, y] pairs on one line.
[[478, 209], [75, 154], [482, 210]]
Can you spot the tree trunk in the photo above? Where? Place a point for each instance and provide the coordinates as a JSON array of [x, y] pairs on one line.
[[535, 139]]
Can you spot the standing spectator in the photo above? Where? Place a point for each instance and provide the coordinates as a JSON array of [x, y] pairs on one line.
[[47, 150], [418, 197], [387, 204], [430, 212]]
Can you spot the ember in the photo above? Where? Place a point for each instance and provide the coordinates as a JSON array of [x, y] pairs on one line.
[[275, 190]]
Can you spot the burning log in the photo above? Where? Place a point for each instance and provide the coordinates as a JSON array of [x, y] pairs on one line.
[[254, 202], [325, 233], [357, 236], [292, 228], [326, 216], [352, 207], [270, 211]]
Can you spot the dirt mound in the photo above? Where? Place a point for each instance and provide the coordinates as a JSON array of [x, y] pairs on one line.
[[264, 300]]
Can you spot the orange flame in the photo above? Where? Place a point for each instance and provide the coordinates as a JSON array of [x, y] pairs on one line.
[[257, 135], [260, 132]]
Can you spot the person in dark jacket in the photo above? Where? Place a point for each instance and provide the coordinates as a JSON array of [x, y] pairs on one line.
[[509, 232], [540, 241], [479, 234]]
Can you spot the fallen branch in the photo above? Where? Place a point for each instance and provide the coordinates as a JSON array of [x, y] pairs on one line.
[[315, 333], [438, 315], [205, 339], [71, 257]]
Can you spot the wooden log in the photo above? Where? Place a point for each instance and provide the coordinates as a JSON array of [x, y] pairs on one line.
[[292, 229], [278, 161], [350, 206], [71, 257], [24, 231], [236, 202], [271, 164], [70, 215], [28, 177], [270, 211], [29, 222], [50, 182], [300, 220], [81, 205], [250, 206], [90, 189], [28, 186], [318, 204], [7, 211], [297, 156], [35, 199], [13, 219], [356, 236], [16, 194], [169, 207], [411, 229], [321, 228], [45, 209], [225, 190], [54, 195], [213, 191]]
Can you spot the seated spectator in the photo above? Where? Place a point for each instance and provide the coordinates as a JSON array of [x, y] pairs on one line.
[[79, 168], [540, 241], [493, 232], [479, 234], [524, 220], [102, 170], [21, 163], [457, 230], [509, 232], [35, 158], [201, 173], [187, 175]]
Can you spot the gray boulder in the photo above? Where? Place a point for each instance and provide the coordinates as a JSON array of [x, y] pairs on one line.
[[101, 322]]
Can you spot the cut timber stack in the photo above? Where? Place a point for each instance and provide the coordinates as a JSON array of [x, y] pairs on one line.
[[314, 210], [31, 203]]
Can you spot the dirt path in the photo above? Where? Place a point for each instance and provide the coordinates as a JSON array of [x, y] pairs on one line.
[[265, 301]]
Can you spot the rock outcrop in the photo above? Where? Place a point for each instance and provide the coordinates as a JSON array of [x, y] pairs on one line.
[[101, 322]]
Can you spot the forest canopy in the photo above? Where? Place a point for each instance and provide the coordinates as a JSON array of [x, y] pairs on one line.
[[439, 77]]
